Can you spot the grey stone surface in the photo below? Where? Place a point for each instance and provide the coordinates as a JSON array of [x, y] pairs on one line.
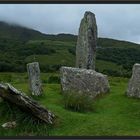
[[34, 78], [25, 103], [133, 89], [87, 42], [84, 81]]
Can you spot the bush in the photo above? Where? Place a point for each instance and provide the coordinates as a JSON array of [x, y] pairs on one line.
[[72, 51], [6, 78], [28, 124], [117, 73], [78, 102], [112, 72], [54, 79], [50, 68]]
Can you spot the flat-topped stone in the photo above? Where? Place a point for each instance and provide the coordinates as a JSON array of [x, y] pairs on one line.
[[84, 81], [34, 78]]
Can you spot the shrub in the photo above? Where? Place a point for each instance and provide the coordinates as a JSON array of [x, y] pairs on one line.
[[54, 68], [112, 72], [28, 124], [78, 102], [6, 78], [117, 73], [54, 79], [45, 80], [72, 51]]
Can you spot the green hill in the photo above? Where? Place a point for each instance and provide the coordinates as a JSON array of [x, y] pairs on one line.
[[21, 45], [17, 32]]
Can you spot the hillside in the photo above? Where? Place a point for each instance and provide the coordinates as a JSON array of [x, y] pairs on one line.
[[17, 32], [20, 45]]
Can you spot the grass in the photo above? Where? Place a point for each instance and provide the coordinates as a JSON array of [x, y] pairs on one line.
[[78, 102], [114, 114], [64, 57], [102, 65], [51, 59]]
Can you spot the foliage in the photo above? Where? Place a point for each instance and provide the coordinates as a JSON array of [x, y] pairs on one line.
[[72, 51], [33, 125], [20, 45], [54, 79], [121, 56], [117, 73], [78, 102]]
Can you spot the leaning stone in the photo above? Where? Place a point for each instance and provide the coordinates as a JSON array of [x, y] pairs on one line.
[[25, 103], [34, 78], [84, 81], [87, 42], [9, 125], [133, 89]]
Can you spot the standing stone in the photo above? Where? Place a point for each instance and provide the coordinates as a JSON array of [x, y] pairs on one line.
[[87, 42], [83, 81], [34, 78], [134, 83]]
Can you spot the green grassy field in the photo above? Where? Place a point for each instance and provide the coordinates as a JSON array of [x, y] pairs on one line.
[[114, 114]]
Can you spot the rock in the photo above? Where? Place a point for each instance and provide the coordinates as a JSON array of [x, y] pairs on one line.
[[9, 125], [25, 103], [87, 42], [84, 81], [133, 89], [34, 78]]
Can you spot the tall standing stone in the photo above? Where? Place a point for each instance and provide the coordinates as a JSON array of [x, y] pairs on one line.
[[133, 89], [87, 42], [34, 78]]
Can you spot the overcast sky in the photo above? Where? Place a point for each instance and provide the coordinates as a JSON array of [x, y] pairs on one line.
[[118, 21]]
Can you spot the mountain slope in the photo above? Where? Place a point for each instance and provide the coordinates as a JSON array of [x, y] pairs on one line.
[[16, 32], [20, 45]]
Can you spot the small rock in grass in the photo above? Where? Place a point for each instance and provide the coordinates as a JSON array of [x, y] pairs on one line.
[[9, 125]]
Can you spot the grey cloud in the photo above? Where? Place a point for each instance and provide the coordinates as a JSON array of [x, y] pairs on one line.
[[114, 21]]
